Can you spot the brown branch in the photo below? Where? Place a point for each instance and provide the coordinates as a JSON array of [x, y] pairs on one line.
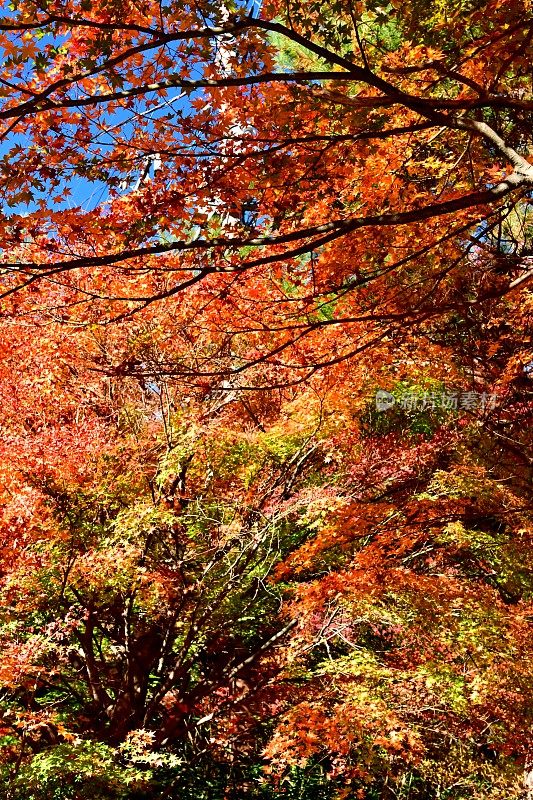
[[327, 232]]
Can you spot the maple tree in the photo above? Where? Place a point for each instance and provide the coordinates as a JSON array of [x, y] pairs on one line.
[[265, 179], [227, 571]]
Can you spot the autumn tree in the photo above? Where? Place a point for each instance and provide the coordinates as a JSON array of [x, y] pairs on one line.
[[226, 570], [138, 538], [220, 169], [189, 578]]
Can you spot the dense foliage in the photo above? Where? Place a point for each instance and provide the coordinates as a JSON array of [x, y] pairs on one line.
[[266, 400]]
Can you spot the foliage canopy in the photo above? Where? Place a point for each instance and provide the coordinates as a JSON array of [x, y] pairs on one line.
[[265, 380]]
